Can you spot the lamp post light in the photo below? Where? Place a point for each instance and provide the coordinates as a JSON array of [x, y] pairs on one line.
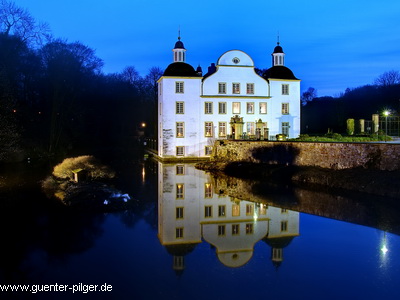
[[386, 113]]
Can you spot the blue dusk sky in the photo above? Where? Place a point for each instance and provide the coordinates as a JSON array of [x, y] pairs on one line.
[[329, 45]]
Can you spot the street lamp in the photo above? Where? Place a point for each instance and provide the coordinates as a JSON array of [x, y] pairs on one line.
[[386, 113]]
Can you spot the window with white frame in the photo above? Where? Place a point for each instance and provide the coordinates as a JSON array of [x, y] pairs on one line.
[[222, 129], [250, 88], [180, 150], [284, 226], [263, 107], [235, 210], [179, 233], [180, 170], [208, 193], [180, 191], [180, 129], [222, 107], [235, 229], [208, 129], [208, 107], [285, 108], [235, 88], [179, 87], [208, 211], [250, 107], [285, 89], [221, 87], [221, 230], [249, 228], [236, 107], [208, 150], [179, 213], [251, 128], [179, 107], [221, 210]]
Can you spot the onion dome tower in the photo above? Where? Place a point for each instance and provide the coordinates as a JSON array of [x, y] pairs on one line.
[[278, 56], [179, 51], [179, 67]]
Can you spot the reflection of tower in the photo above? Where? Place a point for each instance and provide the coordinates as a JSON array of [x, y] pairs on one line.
[[284, 227], [179, 252]]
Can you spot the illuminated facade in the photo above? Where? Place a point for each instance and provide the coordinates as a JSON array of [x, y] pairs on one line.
[[230, 101], [189, 211]]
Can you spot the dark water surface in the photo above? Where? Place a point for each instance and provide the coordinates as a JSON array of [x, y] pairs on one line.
[[194, 236]]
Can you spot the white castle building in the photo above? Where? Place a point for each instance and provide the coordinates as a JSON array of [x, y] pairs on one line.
[[230, 101]]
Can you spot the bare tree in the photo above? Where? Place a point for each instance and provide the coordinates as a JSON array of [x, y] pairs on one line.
[[308, 95], [17, 21], [388, 78], [130, 75]]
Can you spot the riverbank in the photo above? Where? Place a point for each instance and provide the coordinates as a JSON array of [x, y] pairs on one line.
[[375, 182]]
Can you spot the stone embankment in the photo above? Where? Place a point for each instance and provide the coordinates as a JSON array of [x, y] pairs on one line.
[[336, 156], [366, 167]]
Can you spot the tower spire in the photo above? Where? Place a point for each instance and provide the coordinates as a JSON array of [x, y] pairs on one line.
[[179, 54], [278, 56]]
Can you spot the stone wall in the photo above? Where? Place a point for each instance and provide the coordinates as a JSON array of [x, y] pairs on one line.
[[381, 156]]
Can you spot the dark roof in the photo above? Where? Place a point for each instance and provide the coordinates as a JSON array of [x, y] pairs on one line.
[[180, 69], [279, 72], [278, 49], [180, 249], [179, 45], [279, 242]]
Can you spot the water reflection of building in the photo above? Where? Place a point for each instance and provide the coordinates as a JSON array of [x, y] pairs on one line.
[[189, 211]]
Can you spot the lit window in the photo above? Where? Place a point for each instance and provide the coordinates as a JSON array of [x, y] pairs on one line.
[[179, 232], [249, 228], [250, 107], [179, 108], [179, 87], [235, 210], [221, 211], [180, 191], [179, 129], [285, 89], [235, 229], [250, 88], [263, 209], [208, 150], [235, 88], [222, 129], [236, 107], [249, 209], [284, 226], [285, 108], [180, 151], [221, 88], [250, 128], [208, 129], [208, 108], [208, 211], [179, 212], [263, 107], [222, 107], [208, 190], [180, 170], [221, 230]]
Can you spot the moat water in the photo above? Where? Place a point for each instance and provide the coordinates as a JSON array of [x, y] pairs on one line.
[[189, 235]]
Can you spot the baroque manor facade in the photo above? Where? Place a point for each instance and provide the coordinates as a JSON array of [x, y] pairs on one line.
[[231, 101]]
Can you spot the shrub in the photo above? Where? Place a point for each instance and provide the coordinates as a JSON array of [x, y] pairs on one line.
[[350, 126], [88, 163]]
